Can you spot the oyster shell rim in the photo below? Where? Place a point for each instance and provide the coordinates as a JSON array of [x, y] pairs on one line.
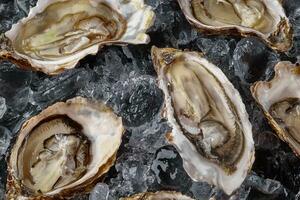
[[142, 195], [169, 113], [7, 51], [14, 187], [236, 30], [279, 131]]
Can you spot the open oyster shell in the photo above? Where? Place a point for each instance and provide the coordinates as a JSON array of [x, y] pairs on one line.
[[63, 150], [162, 195], [279, 99], [265, 19], [58, 33], [210, 125]]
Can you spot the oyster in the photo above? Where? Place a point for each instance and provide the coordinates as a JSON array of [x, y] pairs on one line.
[[210, 125], [265, 19], [162, 195], [280, 101], [63, 150], [58, 33]]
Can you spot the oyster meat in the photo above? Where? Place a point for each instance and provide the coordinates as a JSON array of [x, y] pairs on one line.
[[58, 33], [265, 19], [210, 125], [63, 150], [162, 195], [279, 99]]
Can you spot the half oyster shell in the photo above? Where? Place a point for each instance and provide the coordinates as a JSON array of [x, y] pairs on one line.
[[63, 150], [265, 19], [210, 125], [280, 101], [162, 195], [58, 33]]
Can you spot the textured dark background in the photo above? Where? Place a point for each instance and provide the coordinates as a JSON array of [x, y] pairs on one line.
[[124, 78]]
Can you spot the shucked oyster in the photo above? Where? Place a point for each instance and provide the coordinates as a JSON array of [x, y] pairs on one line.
[[263, 18], [162, 195], [280, 102], [211, 130], [58, 33], [63, 150]]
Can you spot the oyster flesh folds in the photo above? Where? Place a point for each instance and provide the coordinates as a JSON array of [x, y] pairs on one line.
[[58, 33], [63, 150], [162, 195], [265, 19], [280, 101], [210, 125]]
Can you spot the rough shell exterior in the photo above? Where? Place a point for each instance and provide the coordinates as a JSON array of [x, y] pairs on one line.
[[283, 26], [285, 84], [198, 167], [84, 112], [139, 18], [161, 195]]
